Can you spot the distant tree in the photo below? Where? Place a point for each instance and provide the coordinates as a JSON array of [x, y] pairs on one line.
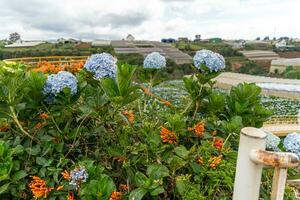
[[13, 37], [258, 38], [267, 38]]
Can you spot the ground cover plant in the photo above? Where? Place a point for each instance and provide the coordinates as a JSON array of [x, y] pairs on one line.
[[108, 132]]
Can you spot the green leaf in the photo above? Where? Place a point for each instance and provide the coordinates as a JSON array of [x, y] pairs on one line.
[[140, 179], [157, 171], [182, 152], [157, 191], [43, 162], [137, 194], [19, 175], [4, 188]]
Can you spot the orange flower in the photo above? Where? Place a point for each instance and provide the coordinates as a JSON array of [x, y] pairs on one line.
[[215, 161], [4, 128], [218, 143], [38, 187], [119, 159], [165, 102], [168, 136], [129, 115], [123, 187], [70, 196], [198, 129], [115, 195], [66, 175], [60, 187], [38, 125], [44, 115], [147, 91], [199, 160]]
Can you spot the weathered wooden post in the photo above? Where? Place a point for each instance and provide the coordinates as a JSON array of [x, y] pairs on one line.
[[251, 159], [248, 173]]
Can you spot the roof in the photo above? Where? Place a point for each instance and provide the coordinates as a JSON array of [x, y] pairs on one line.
[[101, 43], [24, 44], [260, 55]]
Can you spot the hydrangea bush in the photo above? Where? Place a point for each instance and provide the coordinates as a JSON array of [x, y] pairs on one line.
[[57, 82], [292, 143], [214, 61], [154, 61], [101, 65], [272, 141]]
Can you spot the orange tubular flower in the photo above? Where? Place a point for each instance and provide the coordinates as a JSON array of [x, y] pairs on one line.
[[60, 187], [215, 161], [66, 175], [198, 129], [218, 143], [165, 102], [38, 187], [38, 125], [70, 196], [44, 115], [123, 187], [4, 128], [115, 195], [168, 136], [129, 115]]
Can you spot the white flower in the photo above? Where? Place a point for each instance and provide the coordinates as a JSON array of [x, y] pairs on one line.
[[214, 61], [272, 142], [102, 65], [292, 143], [155, 61], [78, 176]]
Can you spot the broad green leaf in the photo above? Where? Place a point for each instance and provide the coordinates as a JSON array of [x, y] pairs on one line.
[[157, 171], [137, 194]]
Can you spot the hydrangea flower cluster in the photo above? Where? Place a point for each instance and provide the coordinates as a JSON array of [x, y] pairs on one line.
[[78, 176], [214, 61], [292, 143], [57, 82], [272, 142], [154, 61], [102, 65]]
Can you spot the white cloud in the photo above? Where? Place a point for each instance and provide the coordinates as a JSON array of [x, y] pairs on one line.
[[35, 19]]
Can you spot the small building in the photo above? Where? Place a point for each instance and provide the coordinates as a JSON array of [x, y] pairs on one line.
[[130, 37], [183, 39], [20, 44], [101, 43], [168, 40], [281, 44], [67, 41]]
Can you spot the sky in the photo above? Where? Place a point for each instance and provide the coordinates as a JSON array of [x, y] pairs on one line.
[[149, 19]]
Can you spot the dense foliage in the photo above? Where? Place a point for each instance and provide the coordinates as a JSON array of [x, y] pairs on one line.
[[113, 138]]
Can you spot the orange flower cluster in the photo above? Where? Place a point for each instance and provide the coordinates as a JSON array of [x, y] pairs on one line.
[[70, 196], [168, 136], [60, 187], [123, 187], [218, 143], [115, 195], [44, 116], [129, 115], [38, 187], [66, 175], [198, 129], [215, 161], [4, 128], [48, 67]]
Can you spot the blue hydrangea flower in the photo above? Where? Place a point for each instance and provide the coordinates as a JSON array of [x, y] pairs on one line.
[[292, 143], [214, 61], [102, 65], [77, 176], [57, 82], [155, 61], [272, 142]]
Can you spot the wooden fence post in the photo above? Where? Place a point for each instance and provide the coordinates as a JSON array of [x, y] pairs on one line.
[[248, 173]]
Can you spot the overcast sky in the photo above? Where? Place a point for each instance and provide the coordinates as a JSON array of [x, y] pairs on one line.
[[149, 19]]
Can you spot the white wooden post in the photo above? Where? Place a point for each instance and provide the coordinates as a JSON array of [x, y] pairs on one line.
[[248, 173]]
